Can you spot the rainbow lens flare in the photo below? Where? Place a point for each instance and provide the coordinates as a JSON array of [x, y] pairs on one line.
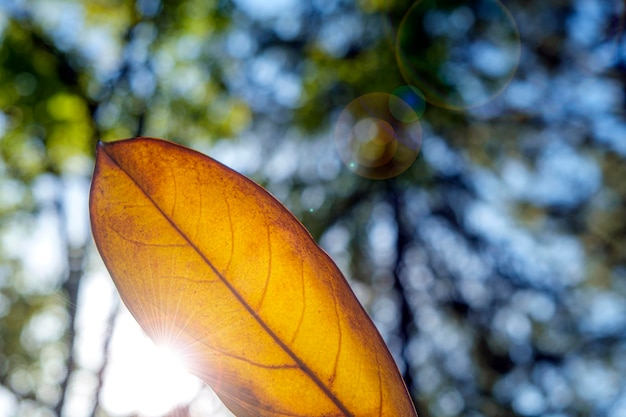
[[461, 54], [378, 135]]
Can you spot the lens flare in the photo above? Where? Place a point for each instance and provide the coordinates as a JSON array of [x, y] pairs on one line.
[[461, 54], [378, 135], [410, 95], [143, 377]]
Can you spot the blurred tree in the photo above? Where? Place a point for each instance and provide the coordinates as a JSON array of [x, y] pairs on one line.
[[494, 265]]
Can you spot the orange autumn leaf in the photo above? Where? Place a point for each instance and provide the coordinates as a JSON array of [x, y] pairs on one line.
[[208, 261]]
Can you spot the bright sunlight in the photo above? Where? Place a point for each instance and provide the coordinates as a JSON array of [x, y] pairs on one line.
[[143, 377]]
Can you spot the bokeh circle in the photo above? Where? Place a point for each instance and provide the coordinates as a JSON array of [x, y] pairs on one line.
[[460, 53], [378, 135]]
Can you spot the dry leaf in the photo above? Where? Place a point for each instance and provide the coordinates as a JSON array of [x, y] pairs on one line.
[[208, 261]]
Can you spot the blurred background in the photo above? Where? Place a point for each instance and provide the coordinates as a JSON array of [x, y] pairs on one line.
[[461, 160]]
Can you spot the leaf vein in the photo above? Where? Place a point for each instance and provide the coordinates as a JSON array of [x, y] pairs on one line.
[[302, 365], [269, 266]]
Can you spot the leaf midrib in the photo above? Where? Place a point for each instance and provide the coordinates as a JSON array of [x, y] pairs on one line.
[[304, 367]]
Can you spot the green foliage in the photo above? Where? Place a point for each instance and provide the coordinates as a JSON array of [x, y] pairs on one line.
[[468, 242]]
